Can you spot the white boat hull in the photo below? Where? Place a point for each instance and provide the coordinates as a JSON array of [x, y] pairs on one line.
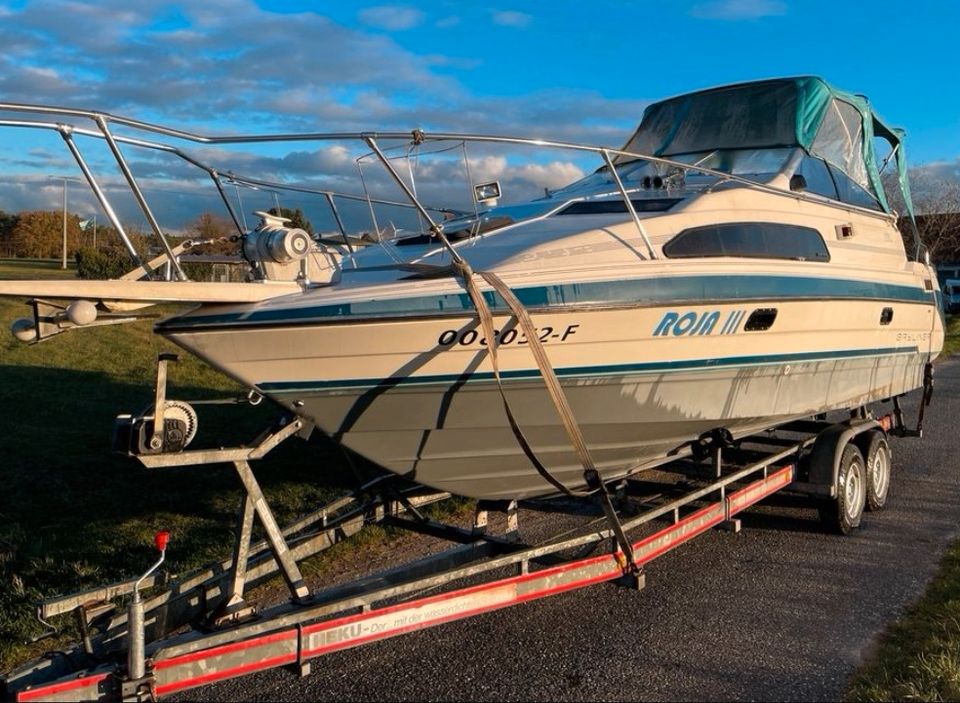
[[642, 381]]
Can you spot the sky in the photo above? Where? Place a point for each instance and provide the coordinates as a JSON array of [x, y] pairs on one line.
[[562, 70]]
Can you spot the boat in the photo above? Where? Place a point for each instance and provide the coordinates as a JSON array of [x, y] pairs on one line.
[[735, 266]]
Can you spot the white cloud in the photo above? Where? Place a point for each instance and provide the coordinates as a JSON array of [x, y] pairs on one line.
[[226, 63], [537, 176], [511, 18], [229, 66], [391, 17], [555, 174], [739, 9]]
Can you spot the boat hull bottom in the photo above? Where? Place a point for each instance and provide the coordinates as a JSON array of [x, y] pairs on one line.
[[457, 439]]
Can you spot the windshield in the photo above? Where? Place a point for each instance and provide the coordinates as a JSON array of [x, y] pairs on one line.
[[755, 164], [753, 115]]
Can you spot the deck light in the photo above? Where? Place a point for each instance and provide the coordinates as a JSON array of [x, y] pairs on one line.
[[487, 192]]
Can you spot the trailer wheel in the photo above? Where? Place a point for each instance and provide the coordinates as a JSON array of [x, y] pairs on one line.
[[843, 514], [878, 471]]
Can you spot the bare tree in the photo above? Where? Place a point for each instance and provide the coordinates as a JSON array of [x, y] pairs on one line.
[[936, 201]]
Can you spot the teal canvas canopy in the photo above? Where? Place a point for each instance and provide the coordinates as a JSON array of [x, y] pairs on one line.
[[806, 112]]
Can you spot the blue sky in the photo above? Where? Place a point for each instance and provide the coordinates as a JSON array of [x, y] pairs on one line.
[[565, 70]]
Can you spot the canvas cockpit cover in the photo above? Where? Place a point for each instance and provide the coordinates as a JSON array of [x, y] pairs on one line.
[[805, 112]]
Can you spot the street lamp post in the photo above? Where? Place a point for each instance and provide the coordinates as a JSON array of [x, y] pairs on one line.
[[64, 180], [64, 266]]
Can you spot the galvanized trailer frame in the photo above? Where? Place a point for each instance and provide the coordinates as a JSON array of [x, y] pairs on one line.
[[483, 573]]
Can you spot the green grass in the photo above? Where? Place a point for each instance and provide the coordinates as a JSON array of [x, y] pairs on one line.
[[34, 268], [918, 656], [951, 343], [72, 514]]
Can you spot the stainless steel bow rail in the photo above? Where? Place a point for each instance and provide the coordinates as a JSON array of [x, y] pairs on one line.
[[200, 628], [166, 139]]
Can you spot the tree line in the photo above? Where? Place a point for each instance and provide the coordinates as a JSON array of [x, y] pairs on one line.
[[38, 234]]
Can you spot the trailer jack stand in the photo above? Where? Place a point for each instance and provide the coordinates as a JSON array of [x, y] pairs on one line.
[[900, 429]]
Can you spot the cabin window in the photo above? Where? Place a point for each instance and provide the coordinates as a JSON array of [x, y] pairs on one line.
[[602, 207], [852, 192], [760, 319], [766, 240], [840, 140], [819, 181]]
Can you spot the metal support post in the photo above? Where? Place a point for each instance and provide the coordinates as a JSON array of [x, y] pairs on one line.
[[729, 524], [336, 216], [512, 531], [160, 399], [278, 545], [480, 521], [84, 627], [628, 203], [241, 552]]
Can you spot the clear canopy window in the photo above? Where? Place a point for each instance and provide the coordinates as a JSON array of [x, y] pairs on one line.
[[804, 112]]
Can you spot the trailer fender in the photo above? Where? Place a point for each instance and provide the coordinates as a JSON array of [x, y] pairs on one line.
[[824, 458]]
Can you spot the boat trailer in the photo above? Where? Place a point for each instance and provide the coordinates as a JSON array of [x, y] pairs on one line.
[[199, 628]]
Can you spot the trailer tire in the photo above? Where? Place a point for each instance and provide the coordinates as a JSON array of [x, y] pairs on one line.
[[843, 514], [879, 463]]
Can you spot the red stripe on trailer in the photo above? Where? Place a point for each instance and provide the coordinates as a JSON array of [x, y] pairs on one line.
[[614, 572], [32, 694], [677, 527], [522, 578], [742, 499], [221, 650], [162, 689]]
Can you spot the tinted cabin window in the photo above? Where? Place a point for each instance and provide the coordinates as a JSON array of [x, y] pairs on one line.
[[818, 178], [851, 192], [767, 240]]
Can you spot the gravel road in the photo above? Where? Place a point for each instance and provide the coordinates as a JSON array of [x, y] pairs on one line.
[[781, 611]]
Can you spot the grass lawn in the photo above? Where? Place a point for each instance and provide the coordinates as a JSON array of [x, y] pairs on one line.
[[72, 514], [918, 658]]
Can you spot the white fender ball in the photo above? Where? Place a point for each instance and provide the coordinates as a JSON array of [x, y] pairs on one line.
[[23, 329], [81, 312]]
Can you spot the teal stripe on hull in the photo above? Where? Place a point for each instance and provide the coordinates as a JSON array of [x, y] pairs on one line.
[[645, 291], [584, 371]]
